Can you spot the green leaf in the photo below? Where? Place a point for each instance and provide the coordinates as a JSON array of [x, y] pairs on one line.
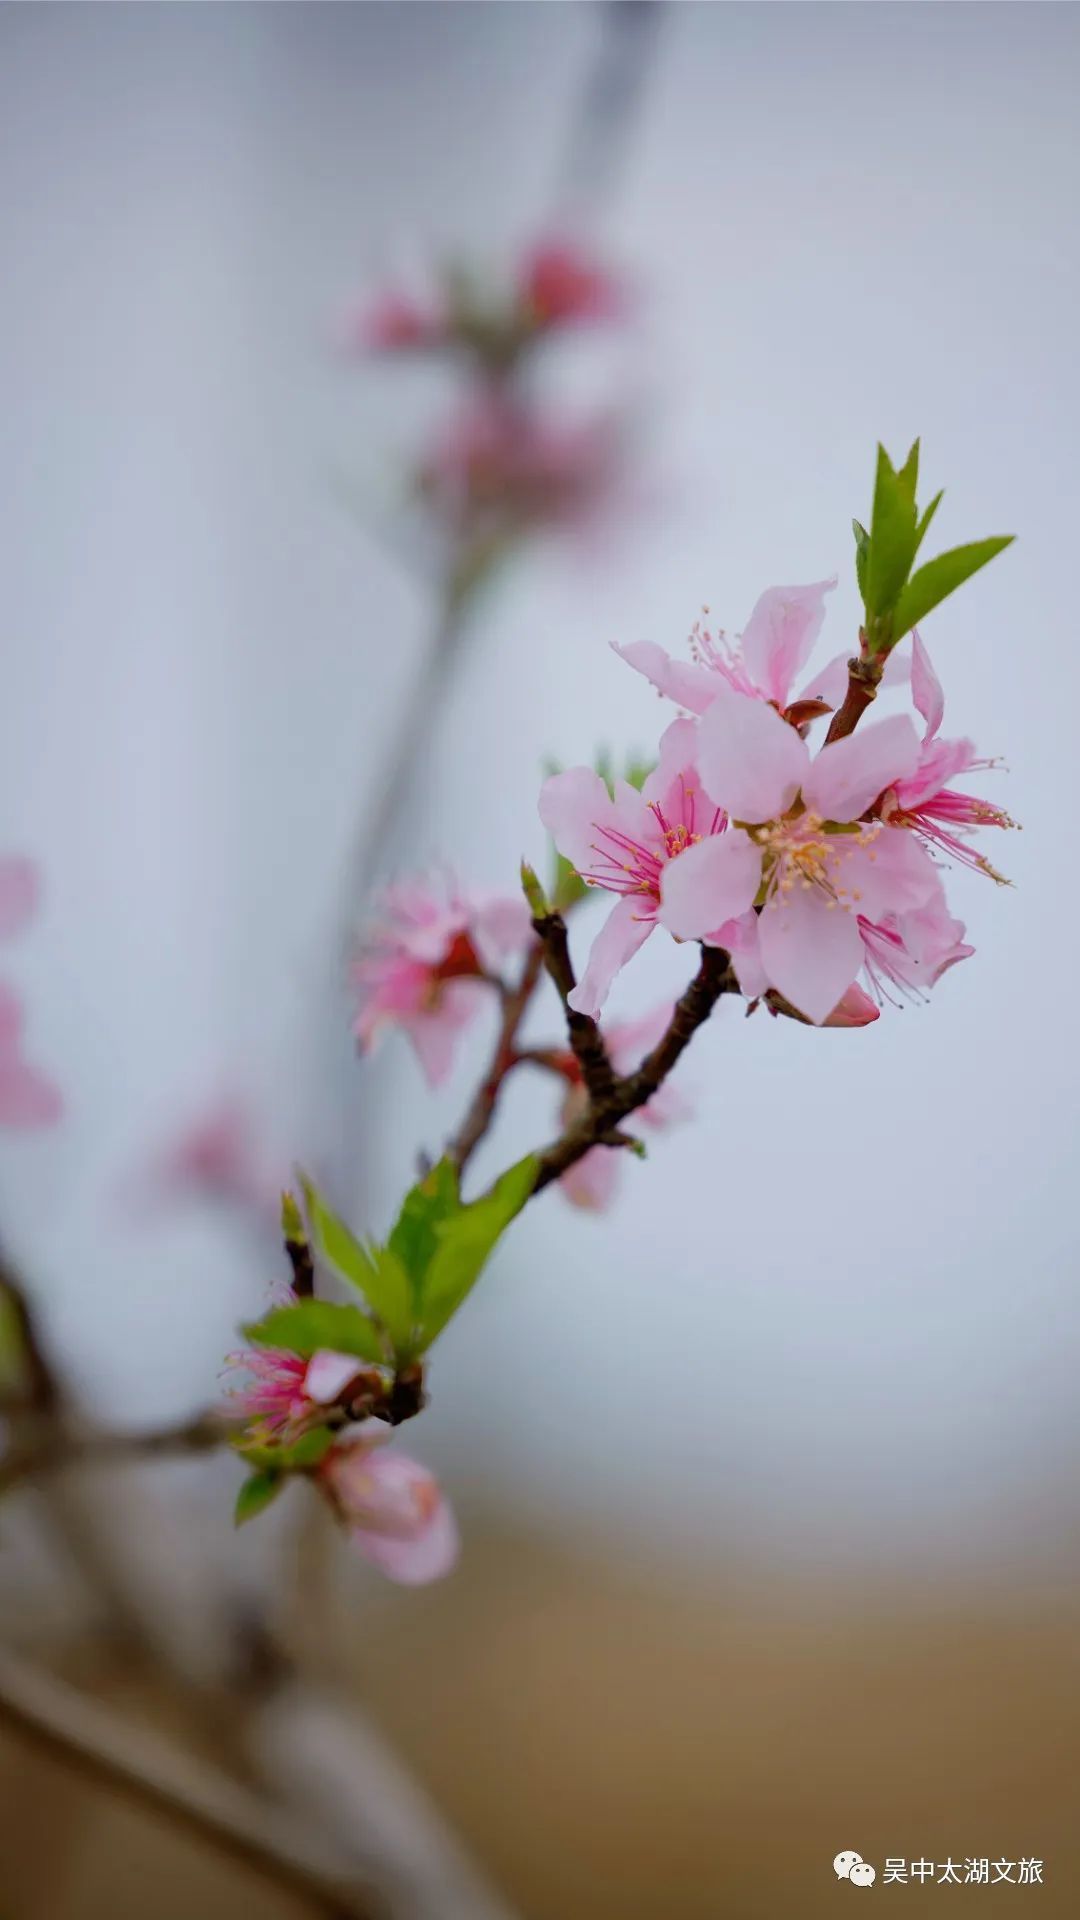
[[465, 1240], [920, 531], [256, 1494], [892, 535], [414, 1237], [908, 474], [335, 1242], [313, 1324], [934, 582], [862, 552], [535, 897], [568, 887]]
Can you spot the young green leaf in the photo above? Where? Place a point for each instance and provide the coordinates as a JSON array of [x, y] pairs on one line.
[[892, 535], [908, 474], [335, 1242], [465, 1239], [862, 552], [311, 1325], [920, 531], [934, 582], [287, 1456], [415, 1233], [256, 1493]]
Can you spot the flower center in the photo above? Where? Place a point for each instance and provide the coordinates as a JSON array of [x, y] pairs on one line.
[[799, 852]]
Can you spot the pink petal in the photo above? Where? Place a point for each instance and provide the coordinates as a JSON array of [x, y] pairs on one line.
[[710, 883], [742, 939], [576, 806], [854, 1009], [847, 777], [830, 685], [630, 1040], [500, 927], [328, 1373], [592, 1183], [27, 1097], [750, 760], [780, 636], [435, 1035], [429, 1555], [626, 929], [891, 873], [18, 894], [939, 763], [926, 690], [683, 681], [676, 759], [811, 950]]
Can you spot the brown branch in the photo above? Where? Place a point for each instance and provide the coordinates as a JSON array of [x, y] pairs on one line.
[[42, 1388], [504, 1058], [59, 1446], [864, 674], [601, 1119], [586, 1039]]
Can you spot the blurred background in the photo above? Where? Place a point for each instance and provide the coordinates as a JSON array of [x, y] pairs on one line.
[[768, 1474]]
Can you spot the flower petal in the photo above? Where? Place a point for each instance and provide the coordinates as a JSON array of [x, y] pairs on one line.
[[742, 939], [327, 1373], [18, 894], [780, 636], [926, 689], [847, 777], [830, 685], [751, 761], [683, 681], [854, 1009], [891, 873], [811, 950], [592, 1181], [708, 884], [626, 928]]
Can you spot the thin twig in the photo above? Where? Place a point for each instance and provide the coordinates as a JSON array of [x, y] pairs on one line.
[[586, 1040], [504, 1058], [60, 1446], [864, 675]]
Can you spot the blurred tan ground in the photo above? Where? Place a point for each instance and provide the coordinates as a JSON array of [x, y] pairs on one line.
[[613, 1746]]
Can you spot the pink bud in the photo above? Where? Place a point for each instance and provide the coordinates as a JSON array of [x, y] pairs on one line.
[[855, 1009], [392, 1506]]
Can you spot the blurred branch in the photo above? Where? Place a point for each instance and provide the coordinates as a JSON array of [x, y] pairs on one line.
[[108, 1749], [58, 1447], [504, 1058], [610, 102]]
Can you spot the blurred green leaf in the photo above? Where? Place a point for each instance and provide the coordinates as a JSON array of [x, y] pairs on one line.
[[567, 887], [862, 549], [256, 1494], [535, 898], [464, 1241], [933, 583], [311, 1325], [414, 1237], [335, 1242]]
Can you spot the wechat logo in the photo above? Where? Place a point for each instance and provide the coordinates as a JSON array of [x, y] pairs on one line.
[[852, 1866]]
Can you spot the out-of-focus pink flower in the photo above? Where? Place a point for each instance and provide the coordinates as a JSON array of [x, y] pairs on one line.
[[274, 1393], [396, 322], [627, 843], [924, 801], [813, 868], [393, 1507], [774, 649], [217, 1156], [28, 1098], [423, 964], [500, 468], [592, 1182], [560, 286]]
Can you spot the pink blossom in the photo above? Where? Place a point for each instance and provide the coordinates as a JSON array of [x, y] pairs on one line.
[[627, 843], [393, 1507], [854, 1009], [397, 322], [423, 964], [501, 467], [798, 850], [218, 1156], [907, 953], [925, 801], [560, 286], [592, 1181], [774, 649], [277, 1394], [28, 1098]]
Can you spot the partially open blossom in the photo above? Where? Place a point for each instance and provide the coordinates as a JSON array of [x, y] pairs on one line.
[[925, 801], [392, 1506], [592, 1181], [28, 1098], [626, 842], [559, 285], [772, 652], [500, 467], [423, 963], [277, 1394], [799, 851]]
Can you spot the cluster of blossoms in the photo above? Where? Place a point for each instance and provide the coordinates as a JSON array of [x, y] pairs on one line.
[[817, 871], [390, 1505], [28, 1098], [503, 464]]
